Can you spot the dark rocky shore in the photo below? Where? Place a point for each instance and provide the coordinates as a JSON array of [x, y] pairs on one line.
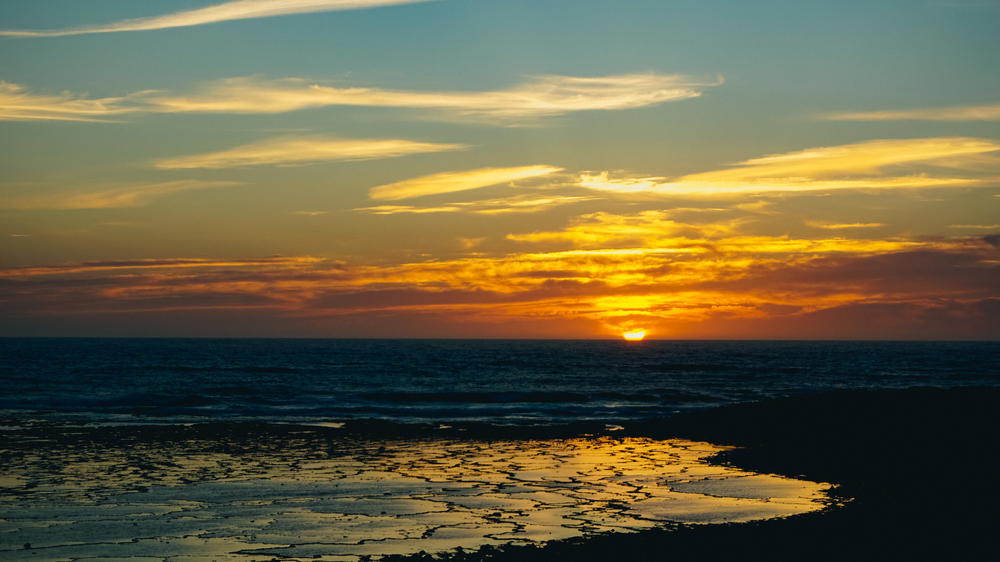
[[917, 469]]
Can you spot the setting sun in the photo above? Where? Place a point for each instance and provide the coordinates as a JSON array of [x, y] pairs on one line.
[[637, 335]]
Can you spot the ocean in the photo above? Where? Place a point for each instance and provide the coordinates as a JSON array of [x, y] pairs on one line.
[[502, 382]]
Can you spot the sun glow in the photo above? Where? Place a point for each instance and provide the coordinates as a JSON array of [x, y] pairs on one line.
[[637, 335]]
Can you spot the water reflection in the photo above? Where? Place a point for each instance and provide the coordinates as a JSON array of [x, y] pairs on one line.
[[374, 498]]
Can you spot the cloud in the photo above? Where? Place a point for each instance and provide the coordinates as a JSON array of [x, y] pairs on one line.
[[538, 97], [503, 205], [975, 226], [110, 198], [988, 112], [226, 11], [408, 210], [597, 292], [304, 150], [541, 96], [450, 182], [843, 226], [18, 104], [651, 232], [157, 264], [876, 164]]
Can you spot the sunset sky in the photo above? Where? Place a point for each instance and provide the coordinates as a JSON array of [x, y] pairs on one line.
[[500, 168]]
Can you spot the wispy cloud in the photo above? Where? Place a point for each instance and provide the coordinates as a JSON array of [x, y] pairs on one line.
[[19, 104], [843, 225], [538, 97], [110, 198], [226, 11], [975, 226], [288, 151], [542, 96], [164, 264], [450, 182], [408, 209], [988, 112], [503, 205], [877, 164]]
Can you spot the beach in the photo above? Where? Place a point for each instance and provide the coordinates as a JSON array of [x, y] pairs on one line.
[[910, 471]]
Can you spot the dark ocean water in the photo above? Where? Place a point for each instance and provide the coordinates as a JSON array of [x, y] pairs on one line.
[[505, 382]]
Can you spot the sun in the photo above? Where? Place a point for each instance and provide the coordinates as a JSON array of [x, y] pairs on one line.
[[637, 335]]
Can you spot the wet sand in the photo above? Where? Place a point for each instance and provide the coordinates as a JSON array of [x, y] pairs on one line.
[[915, 470], [236, 492]]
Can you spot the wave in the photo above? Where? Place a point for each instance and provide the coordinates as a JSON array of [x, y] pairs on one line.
[[553, 397], [688, 367], [231, 369]]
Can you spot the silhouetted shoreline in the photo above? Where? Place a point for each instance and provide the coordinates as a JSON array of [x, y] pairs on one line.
[[916, 469]]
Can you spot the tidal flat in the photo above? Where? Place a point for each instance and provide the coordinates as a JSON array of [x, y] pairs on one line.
[[239, 492]]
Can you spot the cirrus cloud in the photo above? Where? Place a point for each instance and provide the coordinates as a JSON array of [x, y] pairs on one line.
[[875, 164], [450, 182], [288, 151], [988, 112], [131, 195], [537, 97], [17, 103], [227, 11]]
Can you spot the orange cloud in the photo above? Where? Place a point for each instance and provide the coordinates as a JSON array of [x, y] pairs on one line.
[[155, 264], [600, 275]]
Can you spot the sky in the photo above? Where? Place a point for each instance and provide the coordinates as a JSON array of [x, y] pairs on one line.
[[578, 169]]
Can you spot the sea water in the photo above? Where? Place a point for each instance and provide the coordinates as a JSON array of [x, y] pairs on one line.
[[520, 382]]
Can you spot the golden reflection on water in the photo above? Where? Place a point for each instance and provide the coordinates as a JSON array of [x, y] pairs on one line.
[[375, 498]]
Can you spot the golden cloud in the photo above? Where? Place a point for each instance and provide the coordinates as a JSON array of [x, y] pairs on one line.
[[498, 206], [988, 112], [843, 225], [541, 96], [19, 104], [450, 182], [657, 231], [304, 150], [877, 164]]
